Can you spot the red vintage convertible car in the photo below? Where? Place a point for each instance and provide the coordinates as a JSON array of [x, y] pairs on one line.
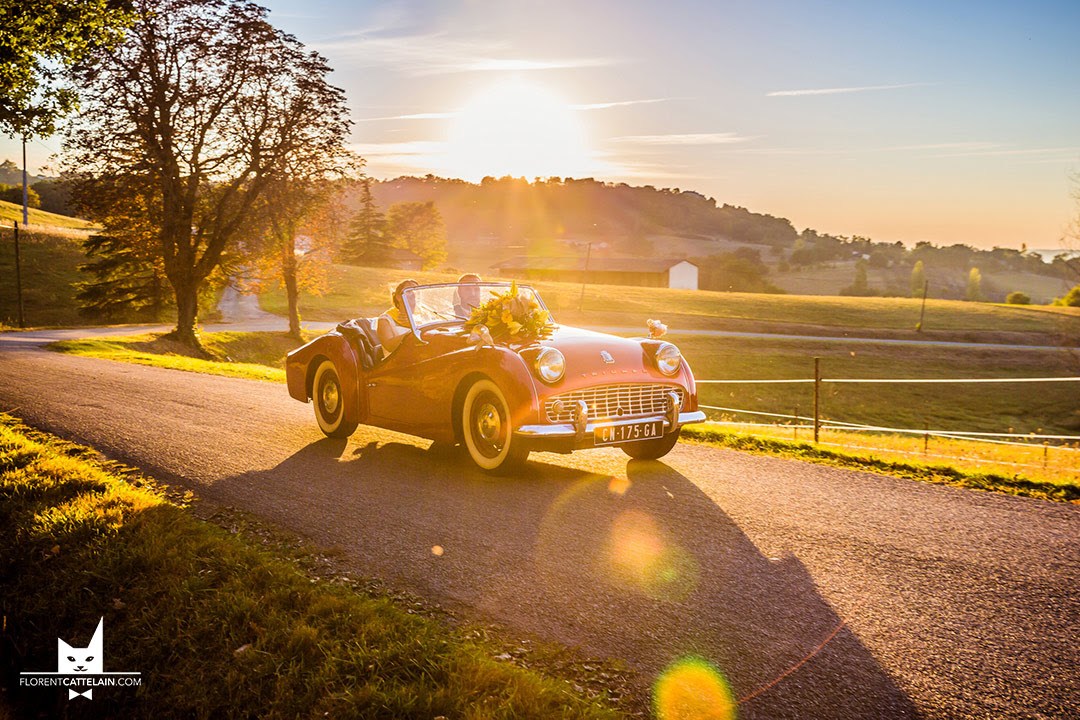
[[565, 390]]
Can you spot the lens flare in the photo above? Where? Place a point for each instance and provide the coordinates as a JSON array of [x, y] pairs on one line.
[[618, 485], [692, 689], [642, 558]]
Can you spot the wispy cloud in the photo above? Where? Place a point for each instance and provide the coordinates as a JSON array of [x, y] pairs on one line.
[[841, 90], [683, 139], [439, 53], [522, 64], [414, 116], [620, 103], [397, 150], [1043, 154], [446, 115]]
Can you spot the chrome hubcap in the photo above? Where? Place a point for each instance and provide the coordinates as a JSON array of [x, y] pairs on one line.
[[330, 397], [488, 423]]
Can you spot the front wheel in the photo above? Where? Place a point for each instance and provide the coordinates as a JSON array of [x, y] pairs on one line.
[[329, 402], [487, 429], [651, 449]]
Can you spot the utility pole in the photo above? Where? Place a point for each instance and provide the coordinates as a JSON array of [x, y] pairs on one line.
[[25, 191], [18, 276], [584, 278]]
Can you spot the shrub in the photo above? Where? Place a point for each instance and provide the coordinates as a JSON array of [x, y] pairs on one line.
[[1071, 299], [1018, 298], [14, 194]]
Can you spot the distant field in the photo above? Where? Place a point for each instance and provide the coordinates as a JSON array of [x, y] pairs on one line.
[[12, 212], [365, 291], [831, 278]]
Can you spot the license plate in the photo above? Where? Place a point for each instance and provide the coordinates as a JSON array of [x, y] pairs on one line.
[[610, 434]]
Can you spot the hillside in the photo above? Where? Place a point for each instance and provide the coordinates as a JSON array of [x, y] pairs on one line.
[[500, 218], [10, 212]]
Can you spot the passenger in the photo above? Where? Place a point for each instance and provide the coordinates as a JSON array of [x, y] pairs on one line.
[[466, 295], [393, 324]]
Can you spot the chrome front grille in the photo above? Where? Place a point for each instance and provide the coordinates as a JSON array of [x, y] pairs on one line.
[[615, 401]]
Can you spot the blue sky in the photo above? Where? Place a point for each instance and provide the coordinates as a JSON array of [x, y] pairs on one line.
[[948, 122]]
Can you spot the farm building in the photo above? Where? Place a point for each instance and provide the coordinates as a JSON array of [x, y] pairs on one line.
[[646, 272]]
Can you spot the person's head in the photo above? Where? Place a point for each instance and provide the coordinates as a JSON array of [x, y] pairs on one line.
[[402, 286], [468, 290]]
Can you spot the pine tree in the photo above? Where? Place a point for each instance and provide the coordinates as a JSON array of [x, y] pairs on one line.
[[366, 240], [128, 283]]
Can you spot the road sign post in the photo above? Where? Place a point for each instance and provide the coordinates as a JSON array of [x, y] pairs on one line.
[[18, 275]]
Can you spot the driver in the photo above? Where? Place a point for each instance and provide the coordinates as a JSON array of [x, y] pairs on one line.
[[393, 325], [466, 295]]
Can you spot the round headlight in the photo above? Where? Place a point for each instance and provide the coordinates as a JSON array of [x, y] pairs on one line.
[[550, 365], [668, 359]]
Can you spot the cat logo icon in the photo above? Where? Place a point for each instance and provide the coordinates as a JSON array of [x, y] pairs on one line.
[[81, 669]]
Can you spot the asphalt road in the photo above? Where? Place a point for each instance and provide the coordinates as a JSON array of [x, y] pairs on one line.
[[934, 601]]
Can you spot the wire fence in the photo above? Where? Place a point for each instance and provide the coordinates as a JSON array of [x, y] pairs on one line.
[[816, 423]]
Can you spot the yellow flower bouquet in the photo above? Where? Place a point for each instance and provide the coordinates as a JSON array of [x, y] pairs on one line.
[[510, 317]]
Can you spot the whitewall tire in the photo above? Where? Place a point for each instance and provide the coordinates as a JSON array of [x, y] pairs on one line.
[[487, 429], [329, 401]]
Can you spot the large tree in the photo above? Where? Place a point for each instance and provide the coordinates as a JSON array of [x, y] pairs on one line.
[[199, 110], [39, 39]]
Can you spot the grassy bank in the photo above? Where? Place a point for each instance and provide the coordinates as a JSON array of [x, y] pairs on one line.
[[256, 356], [217, 626], [10, 212], [364, 291], [50, 267], [1048, 473]]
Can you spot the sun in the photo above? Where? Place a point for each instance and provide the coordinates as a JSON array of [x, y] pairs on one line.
[[517, 128]]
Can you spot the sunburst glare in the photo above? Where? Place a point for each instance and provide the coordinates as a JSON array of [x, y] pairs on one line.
[[517, 128]]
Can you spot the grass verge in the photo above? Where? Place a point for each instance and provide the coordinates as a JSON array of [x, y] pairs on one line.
[[897, 461], [251, 355], [217, 626]]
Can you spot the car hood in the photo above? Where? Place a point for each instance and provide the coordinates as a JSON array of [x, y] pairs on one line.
[[592, 353]]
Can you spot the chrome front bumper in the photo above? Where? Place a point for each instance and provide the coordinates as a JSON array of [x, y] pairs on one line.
[[567, 431]]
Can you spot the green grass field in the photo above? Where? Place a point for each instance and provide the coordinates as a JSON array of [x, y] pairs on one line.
[[50, 268], [13, 212], [365, 291], [1023, 408], [226, 621]]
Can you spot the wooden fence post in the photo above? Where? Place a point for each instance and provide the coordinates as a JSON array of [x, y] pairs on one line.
[[817, 398]]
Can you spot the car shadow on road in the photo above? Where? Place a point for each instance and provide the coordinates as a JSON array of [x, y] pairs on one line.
[[640, 565]]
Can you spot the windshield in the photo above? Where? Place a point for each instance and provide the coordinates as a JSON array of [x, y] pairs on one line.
[[430, 304]]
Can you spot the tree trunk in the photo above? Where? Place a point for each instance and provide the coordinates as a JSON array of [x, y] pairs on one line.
[[292, 291], [187, 315]]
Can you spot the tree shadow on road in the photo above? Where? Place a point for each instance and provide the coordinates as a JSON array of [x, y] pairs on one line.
[[640, 565]]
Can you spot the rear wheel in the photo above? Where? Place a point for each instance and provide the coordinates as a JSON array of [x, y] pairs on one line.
[[651, 449], [329, 402], [487, 429]]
